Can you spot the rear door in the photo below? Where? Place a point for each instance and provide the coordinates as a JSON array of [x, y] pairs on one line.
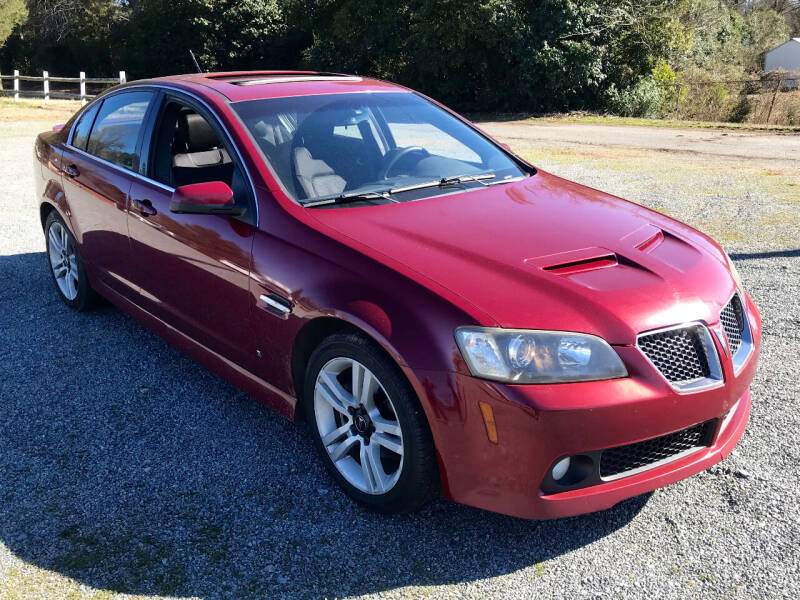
[[193, 269], [99, 164]]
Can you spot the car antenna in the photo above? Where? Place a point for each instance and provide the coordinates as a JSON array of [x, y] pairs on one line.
[[194, 60]]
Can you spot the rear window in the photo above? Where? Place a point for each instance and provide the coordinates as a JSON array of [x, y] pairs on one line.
[[116, 130], [84, 125]]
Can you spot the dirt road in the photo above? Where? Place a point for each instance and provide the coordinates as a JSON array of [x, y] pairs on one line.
[[745, 144]]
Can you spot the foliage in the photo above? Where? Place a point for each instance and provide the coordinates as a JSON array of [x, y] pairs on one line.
[[632, 57], [12, 13], [644, 99], [741, 110]]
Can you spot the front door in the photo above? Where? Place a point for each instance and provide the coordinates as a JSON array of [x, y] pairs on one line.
[[193, 270]]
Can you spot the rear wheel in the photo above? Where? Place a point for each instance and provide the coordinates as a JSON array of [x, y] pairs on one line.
[[368, 425], [66, 265]]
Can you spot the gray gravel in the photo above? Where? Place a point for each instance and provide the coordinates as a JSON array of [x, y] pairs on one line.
[[125, 466]]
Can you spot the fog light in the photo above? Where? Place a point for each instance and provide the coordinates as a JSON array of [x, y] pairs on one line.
[[561, 467]]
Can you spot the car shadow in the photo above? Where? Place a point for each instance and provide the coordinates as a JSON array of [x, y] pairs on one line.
[[760, 255], [128, 467]]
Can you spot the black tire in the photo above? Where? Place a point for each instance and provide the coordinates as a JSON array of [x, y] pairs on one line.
[[418, 482], [86, 297]]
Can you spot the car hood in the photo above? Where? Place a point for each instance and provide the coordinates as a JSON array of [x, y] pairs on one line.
[[546, 253]]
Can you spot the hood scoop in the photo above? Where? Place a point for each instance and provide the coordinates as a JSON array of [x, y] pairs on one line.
[[598, 269], [647, 238], [608, 259], [575, 261]]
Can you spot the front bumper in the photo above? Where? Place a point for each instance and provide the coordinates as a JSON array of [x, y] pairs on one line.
[[538, 424]]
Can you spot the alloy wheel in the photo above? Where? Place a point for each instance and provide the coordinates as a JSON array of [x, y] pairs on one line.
[[358, 425], [63, 260]]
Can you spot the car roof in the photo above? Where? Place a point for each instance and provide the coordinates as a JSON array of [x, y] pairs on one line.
[[254, 85]]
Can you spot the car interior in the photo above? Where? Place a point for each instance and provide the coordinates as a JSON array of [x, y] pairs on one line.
[[188, 150], [323, 155], [341, 147]]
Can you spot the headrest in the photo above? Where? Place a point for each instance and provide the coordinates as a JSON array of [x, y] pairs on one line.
[[196, 133]]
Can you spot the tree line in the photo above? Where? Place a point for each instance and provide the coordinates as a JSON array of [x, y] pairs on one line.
[[476, 55]]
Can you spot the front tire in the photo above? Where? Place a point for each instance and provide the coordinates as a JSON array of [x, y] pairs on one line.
[[368, 425], [66, 265]]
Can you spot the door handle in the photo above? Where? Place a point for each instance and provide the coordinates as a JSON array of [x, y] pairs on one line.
[[72, 171], [145, 207]]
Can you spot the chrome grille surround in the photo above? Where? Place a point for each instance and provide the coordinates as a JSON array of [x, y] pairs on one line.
[[684, 355], [733, 318]]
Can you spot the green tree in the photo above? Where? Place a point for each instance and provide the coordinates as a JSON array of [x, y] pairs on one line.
[[12, 13], [223, 34]]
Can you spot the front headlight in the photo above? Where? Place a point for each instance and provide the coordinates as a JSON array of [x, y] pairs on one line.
[[527, 356], [734, 271]]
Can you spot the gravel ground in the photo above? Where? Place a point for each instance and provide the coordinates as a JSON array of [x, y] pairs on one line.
[[127, 470], [742, 144]]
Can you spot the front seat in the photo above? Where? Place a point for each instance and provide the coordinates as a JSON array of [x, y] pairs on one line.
[[198, 155], [316, 177]]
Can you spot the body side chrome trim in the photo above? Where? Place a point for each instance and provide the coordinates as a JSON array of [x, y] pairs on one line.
[[125, 170]]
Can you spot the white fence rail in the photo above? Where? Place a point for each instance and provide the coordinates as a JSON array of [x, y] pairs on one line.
[[46, 80]]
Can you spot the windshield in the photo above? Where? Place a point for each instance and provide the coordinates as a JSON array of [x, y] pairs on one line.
[[392, 146]]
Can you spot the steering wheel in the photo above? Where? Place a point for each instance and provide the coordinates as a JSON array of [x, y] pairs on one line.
[[399, 153]]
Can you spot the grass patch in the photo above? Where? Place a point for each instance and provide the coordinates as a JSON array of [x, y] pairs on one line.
[[55, 111], [726, 198], [596, 119], [639, 122]]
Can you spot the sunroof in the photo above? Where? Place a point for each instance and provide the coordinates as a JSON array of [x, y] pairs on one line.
[[286, 77]]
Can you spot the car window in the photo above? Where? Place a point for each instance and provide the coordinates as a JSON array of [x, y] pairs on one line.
[[116, 129], [325, 146], [80, 134], [187, 149], [408, 130]]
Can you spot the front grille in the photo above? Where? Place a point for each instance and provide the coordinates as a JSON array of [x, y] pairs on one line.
[[680, 354], [732, 317], [622, 459]]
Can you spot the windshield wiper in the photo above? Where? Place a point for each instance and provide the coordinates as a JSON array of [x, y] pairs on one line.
[[386, 194], [446, 181], [464, 178], [353, 197]]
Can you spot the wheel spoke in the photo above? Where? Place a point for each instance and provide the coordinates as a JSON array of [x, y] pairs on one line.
[[70, 280], [364, 384], [64, 238], [59, 270], [55, 241], [392, 444], [384, 425], [333, 393], [335, 435], [342, 449], [374, 477]]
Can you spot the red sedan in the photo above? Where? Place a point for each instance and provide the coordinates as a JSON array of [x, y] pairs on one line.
[[446, 317]]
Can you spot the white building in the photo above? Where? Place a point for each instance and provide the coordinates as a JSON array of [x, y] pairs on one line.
[[785, 57]]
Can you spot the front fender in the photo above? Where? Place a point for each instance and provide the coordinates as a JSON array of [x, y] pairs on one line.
[[325, 280]]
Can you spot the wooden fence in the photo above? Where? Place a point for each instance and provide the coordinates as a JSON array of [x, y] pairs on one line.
[[46, 80]]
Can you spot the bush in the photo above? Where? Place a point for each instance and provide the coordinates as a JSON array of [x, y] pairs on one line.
[[741, 110], [644, 99]]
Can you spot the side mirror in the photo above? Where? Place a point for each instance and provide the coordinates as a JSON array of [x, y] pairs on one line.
[[208, 198]]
